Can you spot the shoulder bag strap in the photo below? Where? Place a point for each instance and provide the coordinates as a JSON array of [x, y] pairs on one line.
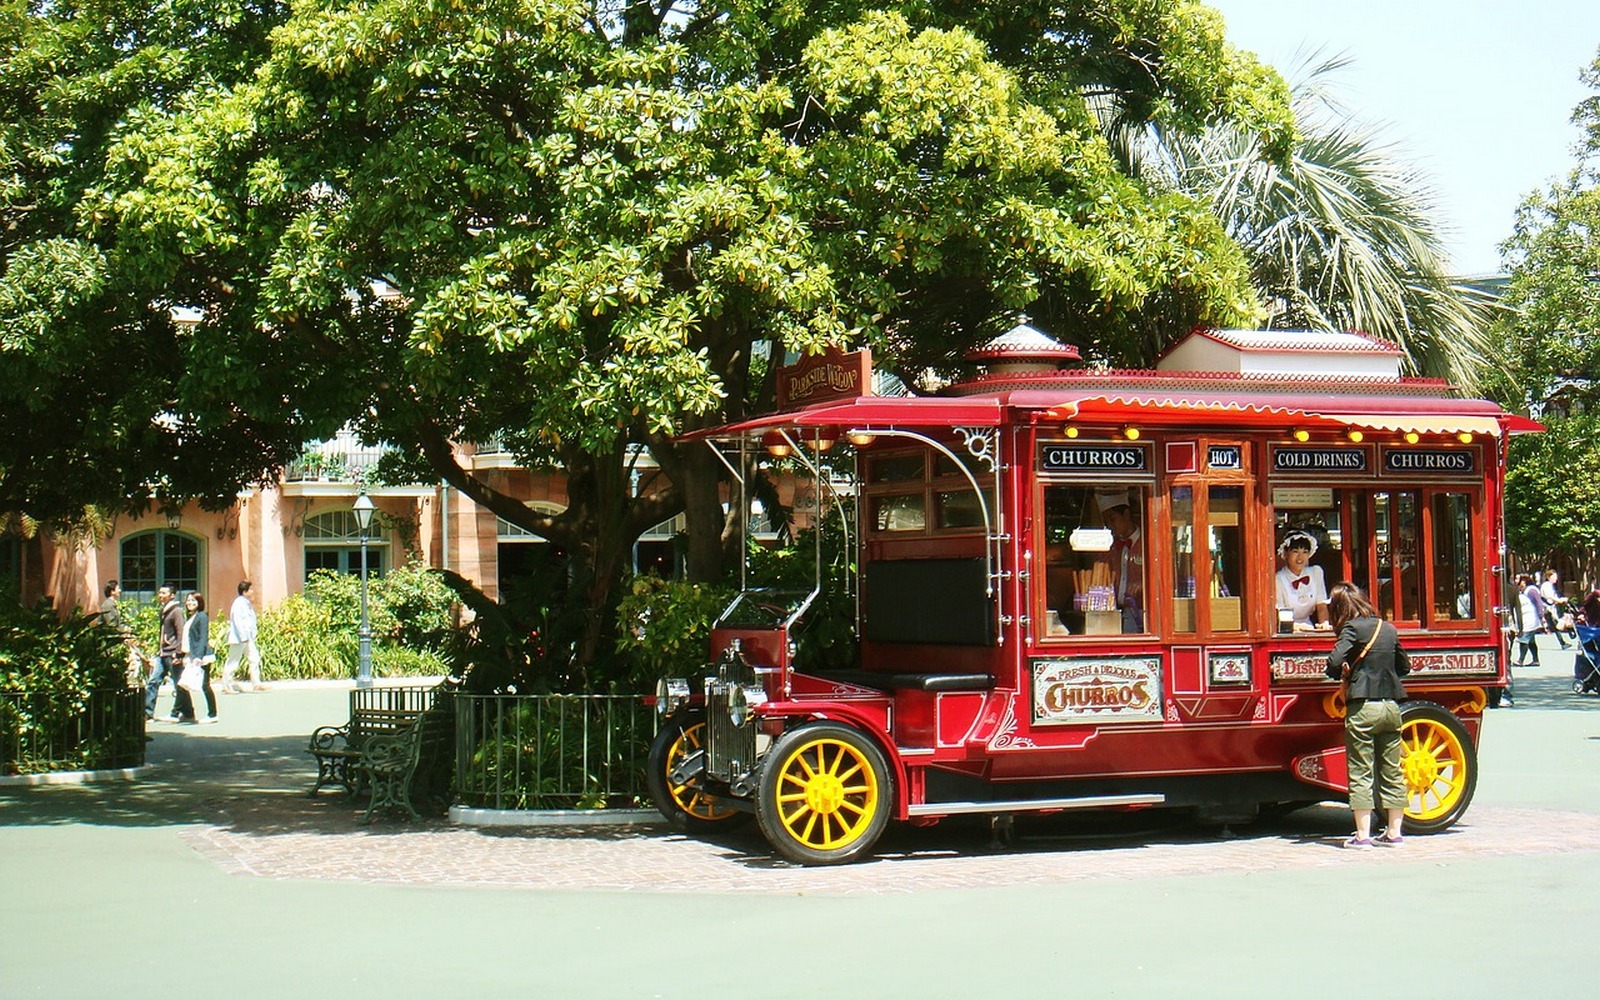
[[1344, 682]]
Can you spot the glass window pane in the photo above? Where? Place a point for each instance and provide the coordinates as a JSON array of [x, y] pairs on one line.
[[896, 468], [138, 571], [343, 559], [959, 509], [1396, 527], [1094, 560], [1310, 553], [899, 513], [1357, 544], [1453, 599], [1408, 534], [1225, 537], [180, 561], [1183, 569]]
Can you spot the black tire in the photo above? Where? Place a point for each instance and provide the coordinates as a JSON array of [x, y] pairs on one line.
[[826, 794], [1440, 764], [686, 809]]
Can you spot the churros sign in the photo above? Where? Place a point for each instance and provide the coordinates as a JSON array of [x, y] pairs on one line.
[[1123, 689]]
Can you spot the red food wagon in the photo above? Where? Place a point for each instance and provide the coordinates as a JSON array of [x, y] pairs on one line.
[[1082, 588]]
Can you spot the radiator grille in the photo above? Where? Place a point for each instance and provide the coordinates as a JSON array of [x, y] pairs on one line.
[[730, 749]]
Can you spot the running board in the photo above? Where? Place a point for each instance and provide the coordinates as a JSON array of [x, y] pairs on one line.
[[1031, 805]]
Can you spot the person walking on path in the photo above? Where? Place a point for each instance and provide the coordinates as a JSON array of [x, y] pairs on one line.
[[169, 653], [1554, 603], [242, 642], [1368, 659], [1530, 619], [111, 617], [197, 650]]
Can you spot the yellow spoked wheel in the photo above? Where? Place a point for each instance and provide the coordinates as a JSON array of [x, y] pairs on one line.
[[1440, 765], [825, 794], [686, 807]]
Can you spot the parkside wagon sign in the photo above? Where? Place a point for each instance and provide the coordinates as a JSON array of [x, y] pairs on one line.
[[1124, 689], [820, 378]]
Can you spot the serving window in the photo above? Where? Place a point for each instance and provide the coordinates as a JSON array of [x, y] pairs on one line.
[[1411, 550], [1094, 568]]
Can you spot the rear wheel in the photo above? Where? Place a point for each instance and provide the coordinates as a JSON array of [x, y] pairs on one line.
[[686, 808], [825, 794], [1440, 765]]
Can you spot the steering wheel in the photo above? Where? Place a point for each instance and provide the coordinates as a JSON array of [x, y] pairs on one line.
[[777, 612]]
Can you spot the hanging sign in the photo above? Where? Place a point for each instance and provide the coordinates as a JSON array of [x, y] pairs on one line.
[[821, 378]]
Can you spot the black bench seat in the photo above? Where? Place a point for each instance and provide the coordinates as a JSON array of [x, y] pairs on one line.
[[885, 681]]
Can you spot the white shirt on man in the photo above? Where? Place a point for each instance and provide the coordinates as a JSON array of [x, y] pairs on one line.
[[241, 620]]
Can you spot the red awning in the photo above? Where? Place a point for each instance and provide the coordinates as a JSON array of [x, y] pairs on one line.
[[1423, 414], [874, 413]]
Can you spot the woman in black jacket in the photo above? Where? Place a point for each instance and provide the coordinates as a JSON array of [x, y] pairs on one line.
[[1369, 656]]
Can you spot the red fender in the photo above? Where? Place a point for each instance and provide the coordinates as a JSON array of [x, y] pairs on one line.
[[1327, 768], [869, 725]]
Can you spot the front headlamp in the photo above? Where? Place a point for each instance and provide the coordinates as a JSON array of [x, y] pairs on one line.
[[671, 694], [742, 701]]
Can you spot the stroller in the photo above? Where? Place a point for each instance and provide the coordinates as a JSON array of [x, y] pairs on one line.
[[1586, 661]]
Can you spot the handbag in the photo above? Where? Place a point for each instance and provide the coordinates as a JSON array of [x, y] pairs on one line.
[[193, 677]]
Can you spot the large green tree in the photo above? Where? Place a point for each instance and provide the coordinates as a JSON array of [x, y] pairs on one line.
[[573, 225], [1550, 365], [91, 367]]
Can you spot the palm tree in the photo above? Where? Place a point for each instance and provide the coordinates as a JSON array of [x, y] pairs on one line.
[[1341, 237]]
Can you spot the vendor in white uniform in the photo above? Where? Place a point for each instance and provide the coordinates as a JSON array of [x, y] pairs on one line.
[[1301, 589]]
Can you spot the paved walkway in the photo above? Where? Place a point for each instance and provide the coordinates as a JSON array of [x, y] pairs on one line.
[[290, 895]]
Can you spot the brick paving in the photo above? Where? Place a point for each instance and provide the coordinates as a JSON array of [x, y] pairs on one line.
[[248, 813], [322, 841]]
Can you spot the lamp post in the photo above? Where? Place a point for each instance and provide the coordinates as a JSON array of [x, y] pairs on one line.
[[363, 510]]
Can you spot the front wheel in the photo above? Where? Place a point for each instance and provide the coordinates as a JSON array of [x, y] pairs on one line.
[[1440, 765], [686, 808], [825, 794]]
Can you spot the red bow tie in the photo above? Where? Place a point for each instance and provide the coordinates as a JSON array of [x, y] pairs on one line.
[[1295, 584]]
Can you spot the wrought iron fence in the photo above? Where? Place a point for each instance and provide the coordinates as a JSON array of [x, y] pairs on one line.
[[37, 736], [552, 751]]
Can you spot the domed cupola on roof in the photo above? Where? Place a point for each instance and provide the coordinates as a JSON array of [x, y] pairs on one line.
[[1023, 350]]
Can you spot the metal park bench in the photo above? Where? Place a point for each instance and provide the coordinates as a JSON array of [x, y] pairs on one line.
[[374, 712], [409, 763]]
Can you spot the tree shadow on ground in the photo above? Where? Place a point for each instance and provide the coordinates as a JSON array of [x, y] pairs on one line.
[[247, 784]]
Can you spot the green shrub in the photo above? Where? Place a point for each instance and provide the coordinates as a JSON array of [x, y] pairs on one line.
[[403, 661], [664, 628], [339, 595], [317, 634], [417, 600], [51, 665], [297, 639]]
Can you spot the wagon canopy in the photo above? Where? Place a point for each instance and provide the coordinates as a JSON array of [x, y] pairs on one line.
[[1425, 414]]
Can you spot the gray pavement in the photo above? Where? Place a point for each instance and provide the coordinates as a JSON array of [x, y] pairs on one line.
[[214, 873]]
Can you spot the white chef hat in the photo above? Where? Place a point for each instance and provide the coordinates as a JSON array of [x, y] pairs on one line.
[[1107, 499]]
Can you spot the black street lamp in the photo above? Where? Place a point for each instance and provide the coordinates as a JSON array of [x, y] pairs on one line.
[[363, 510]]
